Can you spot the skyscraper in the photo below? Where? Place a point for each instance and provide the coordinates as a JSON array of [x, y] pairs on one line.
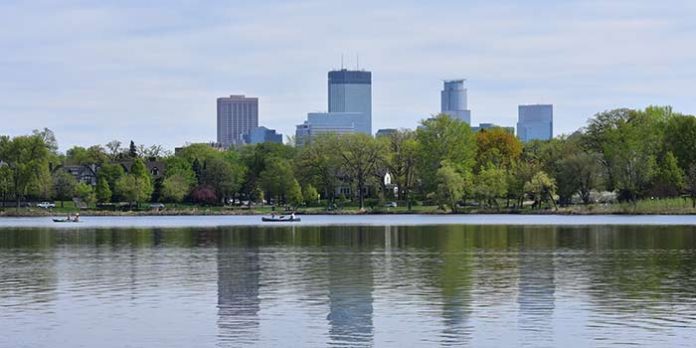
[[535, 122], [350, 91], [453, 100], [236, 117]]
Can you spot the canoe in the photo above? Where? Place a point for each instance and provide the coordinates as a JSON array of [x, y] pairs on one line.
[[279, 219], [63, 220]]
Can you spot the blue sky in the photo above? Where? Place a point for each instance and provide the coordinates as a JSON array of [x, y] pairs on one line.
[[94, 71]]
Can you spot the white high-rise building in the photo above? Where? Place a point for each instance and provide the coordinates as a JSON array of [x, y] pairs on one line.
[[453, 100], [535, 122]]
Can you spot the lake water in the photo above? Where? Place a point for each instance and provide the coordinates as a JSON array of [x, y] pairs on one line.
[[387, 281]]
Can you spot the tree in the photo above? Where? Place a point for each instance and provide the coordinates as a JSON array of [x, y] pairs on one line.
[[497, 146], [277, 178], [294, 193], [63, 186], [629, 141], [490, 183], [318, 163], [103, 191], [669, 181], [132, 150], [451, 186], [136, 186], [580, 173], [204, 195], [85, 193], [444, 139], [221, 176], [5, 182], [310, 195], [360, 155], [690, 184], [541, 188], [49, 139], [111, 172], [27, 160], [401, 159], [680, 139], [175, 188], [114, 147]]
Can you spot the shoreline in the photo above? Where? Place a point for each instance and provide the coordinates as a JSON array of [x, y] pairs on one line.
[[11, 213]]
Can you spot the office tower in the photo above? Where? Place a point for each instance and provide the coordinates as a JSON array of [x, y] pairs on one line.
[[535, 122], [327, 122], [453, 100], [486, 126], [236, 116], [350, 91], [259, 135], [385, 132]]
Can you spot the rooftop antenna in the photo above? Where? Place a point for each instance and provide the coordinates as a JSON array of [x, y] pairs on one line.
[[341, 61], [357, 61]]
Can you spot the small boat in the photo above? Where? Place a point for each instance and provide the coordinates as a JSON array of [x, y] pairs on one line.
[[64, 220], [280, 219]]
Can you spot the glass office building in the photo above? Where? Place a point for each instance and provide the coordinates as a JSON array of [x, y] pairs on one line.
[[453, 100], [350, 91], [535, 122]]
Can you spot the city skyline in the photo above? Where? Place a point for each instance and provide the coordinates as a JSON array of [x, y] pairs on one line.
[[150, 73]]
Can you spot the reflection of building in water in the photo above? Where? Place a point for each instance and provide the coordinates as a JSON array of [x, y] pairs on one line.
[[455, 283], [536, 286], [238, 294], [350, 295]]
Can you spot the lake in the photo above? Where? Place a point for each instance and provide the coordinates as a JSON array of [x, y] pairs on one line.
[[387, 281]]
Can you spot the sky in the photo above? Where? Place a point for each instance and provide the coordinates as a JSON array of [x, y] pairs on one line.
[[150, 71]]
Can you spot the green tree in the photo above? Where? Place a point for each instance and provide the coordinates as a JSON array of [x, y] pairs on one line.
[[294, 195], [680, 139], [669, 181], [5, 182], [451, 186], [176, 187], [132, 150], [490, 184], [360, 155], [111, 172], [221, 176], [444, 139], [541, 188], [85, 193], [319, 163], [690, 184], [310, 195], [135, 187], [277, 178], [579, 173], [63, 186], [27, 160], [103, 191], [401, 159]]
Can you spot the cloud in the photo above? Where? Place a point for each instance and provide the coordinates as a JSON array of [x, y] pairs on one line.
[[98, 71]]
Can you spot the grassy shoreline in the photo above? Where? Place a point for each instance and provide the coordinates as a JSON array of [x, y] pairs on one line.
[[648, 207]]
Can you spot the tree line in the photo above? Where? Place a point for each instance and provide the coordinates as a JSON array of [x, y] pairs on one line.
[[634, 154]]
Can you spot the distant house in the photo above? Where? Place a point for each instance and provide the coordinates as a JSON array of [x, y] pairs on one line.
[[82, 173], [155, 168]]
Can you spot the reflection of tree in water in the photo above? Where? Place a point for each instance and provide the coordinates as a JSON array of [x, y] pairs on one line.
[[27, 268], [238, 292], [648, 272], [351, 286], [536, 285]]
